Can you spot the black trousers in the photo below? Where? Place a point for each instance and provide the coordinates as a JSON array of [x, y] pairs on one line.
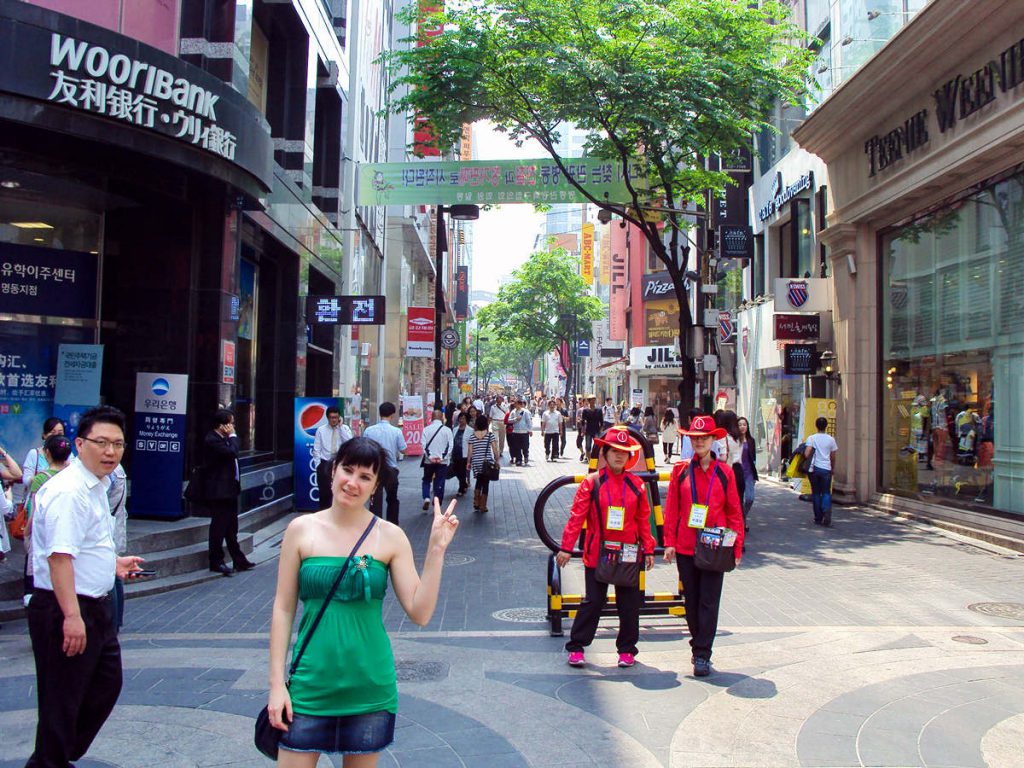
[[75, 694], [224, 530], [703, 592], [561, 443], [389, 487], [323, 483], [460, 472], [515, 446], [551, 445], [627, 603]]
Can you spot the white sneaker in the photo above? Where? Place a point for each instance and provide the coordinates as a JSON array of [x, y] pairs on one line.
[[26, 600]]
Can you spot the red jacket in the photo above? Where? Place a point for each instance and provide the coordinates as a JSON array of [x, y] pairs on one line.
[[636, 522], [724, 509]]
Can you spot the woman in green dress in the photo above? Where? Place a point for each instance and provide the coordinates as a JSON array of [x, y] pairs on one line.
[[343, 696]]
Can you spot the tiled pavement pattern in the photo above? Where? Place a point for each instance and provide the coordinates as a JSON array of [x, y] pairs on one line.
[[845, 646]]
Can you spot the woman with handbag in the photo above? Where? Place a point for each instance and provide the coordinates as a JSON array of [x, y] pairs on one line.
[[613, 503], [669, 434], [701, 494], [483, 458], [650, 426], [748, 462], [341, 696]]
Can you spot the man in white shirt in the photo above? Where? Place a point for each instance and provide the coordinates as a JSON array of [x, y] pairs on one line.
[[497, 415], [437, 451], [390, 438], [329, 438], [821, 449], [74, 641], [610, 414], [551, 425]]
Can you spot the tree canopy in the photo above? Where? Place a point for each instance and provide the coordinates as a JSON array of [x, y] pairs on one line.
[[545, 306], [660, 85]]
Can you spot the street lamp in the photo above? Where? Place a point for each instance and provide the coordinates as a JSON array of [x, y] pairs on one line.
[[459, 213], [476, 378]]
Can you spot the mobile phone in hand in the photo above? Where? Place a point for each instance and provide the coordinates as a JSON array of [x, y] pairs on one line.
[[143, 574]]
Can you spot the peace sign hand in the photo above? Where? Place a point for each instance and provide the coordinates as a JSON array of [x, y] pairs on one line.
[[442, 531]]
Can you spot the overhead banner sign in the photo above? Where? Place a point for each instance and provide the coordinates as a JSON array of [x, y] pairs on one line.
[[492, 181], [587, 254], [158, 444], [806, 294], [420, 332]]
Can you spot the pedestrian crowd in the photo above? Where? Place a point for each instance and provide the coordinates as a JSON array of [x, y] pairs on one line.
[[338, 693]]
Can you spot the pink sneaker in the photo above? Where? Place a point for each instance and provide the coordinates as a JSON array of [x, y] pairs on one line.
[[576, 659], [627, 659]]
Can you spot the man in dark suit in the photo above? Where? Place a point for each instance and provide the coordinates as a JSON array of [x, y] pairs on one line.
[[221, 489]]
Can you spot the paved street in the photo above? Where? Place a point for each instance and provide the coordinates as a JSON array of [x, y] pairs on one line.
[[851, 646]]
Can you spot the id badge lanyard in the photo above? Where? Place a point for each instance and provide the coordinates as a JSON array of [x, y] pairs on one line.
[[698, 513], [615, 520]]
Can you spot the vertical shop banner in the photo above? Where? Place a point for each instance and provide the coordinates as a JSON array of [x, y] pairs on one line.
[[604, 273], [158, 445], [587, 255], [420, 333], [619, 291], [461, 293], [227, 359], [310, 415], [412, 424], [79, 370]]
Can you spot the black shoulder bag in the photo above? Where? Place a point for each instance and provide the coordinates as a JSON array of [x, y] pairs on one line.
[[426, 449], [266, 736], [709, 550], [612, 565]]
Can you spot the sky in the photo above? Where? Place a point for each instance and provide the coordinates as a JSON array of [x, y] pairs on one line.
[[503, 236]]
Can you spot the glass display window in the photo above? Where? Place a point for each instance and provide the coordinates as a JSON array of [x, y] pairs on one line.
[[953, 351]]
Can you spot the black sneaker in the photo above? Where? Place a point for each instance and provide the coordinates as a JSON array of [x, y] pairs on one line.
[[701, 667]]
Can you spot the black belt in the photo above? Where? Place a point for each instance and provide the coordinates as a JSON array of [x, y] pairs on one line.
[[82, 598]]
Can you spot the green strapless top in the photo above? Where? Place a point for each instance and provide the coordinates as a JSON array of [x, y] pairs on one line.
[[348, 667]]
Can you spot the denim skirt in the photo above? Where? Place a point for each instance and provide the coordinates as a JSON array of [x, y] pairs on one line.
[[341, 734]]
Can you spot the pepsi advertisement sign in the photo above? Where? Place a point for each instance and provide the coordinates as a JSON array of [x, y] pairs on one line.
[[158, 445], [310, 415]]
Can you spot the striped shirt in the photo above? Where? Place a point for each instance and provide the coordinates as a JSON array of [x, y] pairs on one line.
[[481, 447]]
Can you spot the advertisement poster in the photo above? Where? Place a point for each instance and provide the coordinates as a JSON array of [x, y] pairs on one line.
[[158, 445], [79, 370], [247, 298], [810, 410], [28, 367], [772, 426], [662, 321], [412, 424], [420, 333], [47, 281], [310, 415]]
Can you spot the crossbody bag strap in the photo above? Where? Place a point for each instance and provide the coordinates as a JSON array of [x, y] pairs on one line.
[[426, 448], [330, 595]]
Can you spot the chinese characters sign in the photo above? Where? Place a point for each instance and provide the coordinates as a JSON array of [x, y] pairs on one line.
[[492, 181], [72, 65], [47, 281]]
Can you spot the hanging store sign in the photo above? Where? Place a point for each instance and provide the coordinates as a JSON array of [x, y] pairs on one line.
[[81, 67], [461, 293], [587, 254], [808, 294], [780, 194], [658, 285], [735, 242], [345, 310], [420, 332], [797, 327], [801, 359], [653, 358], [493, 181], [618, 299]]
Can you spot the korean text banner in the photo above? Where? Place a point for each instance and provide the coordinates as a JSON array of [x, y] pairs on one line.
[[492, 181], [47, 281]]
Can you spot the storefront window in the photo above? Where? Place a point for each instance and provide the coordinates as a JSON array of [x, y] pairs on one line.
[[953, 323]]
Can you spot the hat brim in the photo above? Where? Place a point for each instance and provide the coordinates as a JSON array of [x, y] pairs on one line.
[[631, 448], [716, 434]]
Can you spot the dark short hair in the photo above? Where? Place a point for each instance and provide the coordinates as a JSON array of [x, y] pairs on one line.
[[58, 447], [386, 410], [333, 409], [821, 423], [51, 423], [101, 414], [223, 416], [482, 422], [361, 452]]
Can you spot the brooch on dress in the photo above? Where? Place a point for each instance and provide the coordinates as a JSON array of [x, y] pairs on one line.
[[363, 563]]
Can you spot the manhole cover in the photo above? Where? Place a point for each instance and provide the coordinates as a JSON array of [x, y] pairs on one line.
[[421, 671], [1013, 611], [522, 615], [970, 640], [451, 558]]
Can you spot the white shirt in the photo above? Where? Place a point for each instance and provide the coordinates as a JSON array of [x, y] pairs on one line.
[[497, 416], [728, 450], [322, 441], [72, 517], [389, 437], [824, 444], [479, 405], [441, 445], [117, 498], [552, 421], [521, 421], [610, 413]]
